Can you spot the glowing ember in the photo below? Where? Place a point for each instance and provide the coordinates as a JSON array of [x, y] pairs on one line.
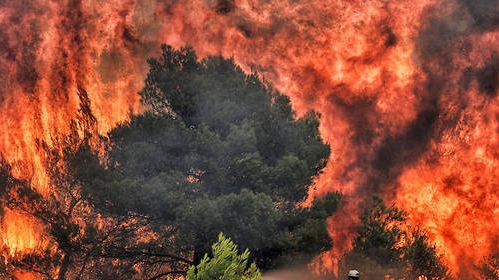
[[407, 91]]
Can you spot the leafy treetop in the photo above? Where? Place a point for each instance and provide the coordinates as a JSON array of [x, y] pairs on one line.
[[218, 151], [226, 264]]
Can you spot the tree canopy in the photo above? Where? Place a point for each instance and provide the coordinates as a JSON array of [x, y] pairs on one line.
[[386, 246], [225, 264], [380, 231], [218, 151]]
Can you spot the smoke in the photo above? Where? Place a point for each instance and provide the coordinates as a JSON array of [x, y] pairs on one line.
[[407, 91], [484, 12], [290, 274]]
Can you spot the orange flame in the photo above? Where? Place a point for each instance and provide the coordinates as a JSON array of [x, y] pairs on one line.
[[407, 91], [49, 51], [26, 275], [21, 233]]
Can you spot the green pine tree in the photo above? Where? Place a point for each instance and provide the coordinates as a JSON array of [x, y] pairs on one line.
[[226, 264]]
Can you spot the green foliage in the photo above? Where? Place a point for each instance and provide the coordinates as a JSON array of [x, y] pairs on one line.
[[384, 246], [422, 257], [380, 231], [310, 235], [219, 151], [167, 85], [226, 264]]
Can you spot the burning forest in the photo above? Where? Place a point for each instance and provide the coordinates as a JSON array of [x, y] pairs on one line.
[[395, 100]]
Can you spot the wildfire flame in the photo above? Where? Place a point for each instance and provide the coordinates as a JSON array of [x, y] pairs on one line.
[[407, 91], [20, 232]]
